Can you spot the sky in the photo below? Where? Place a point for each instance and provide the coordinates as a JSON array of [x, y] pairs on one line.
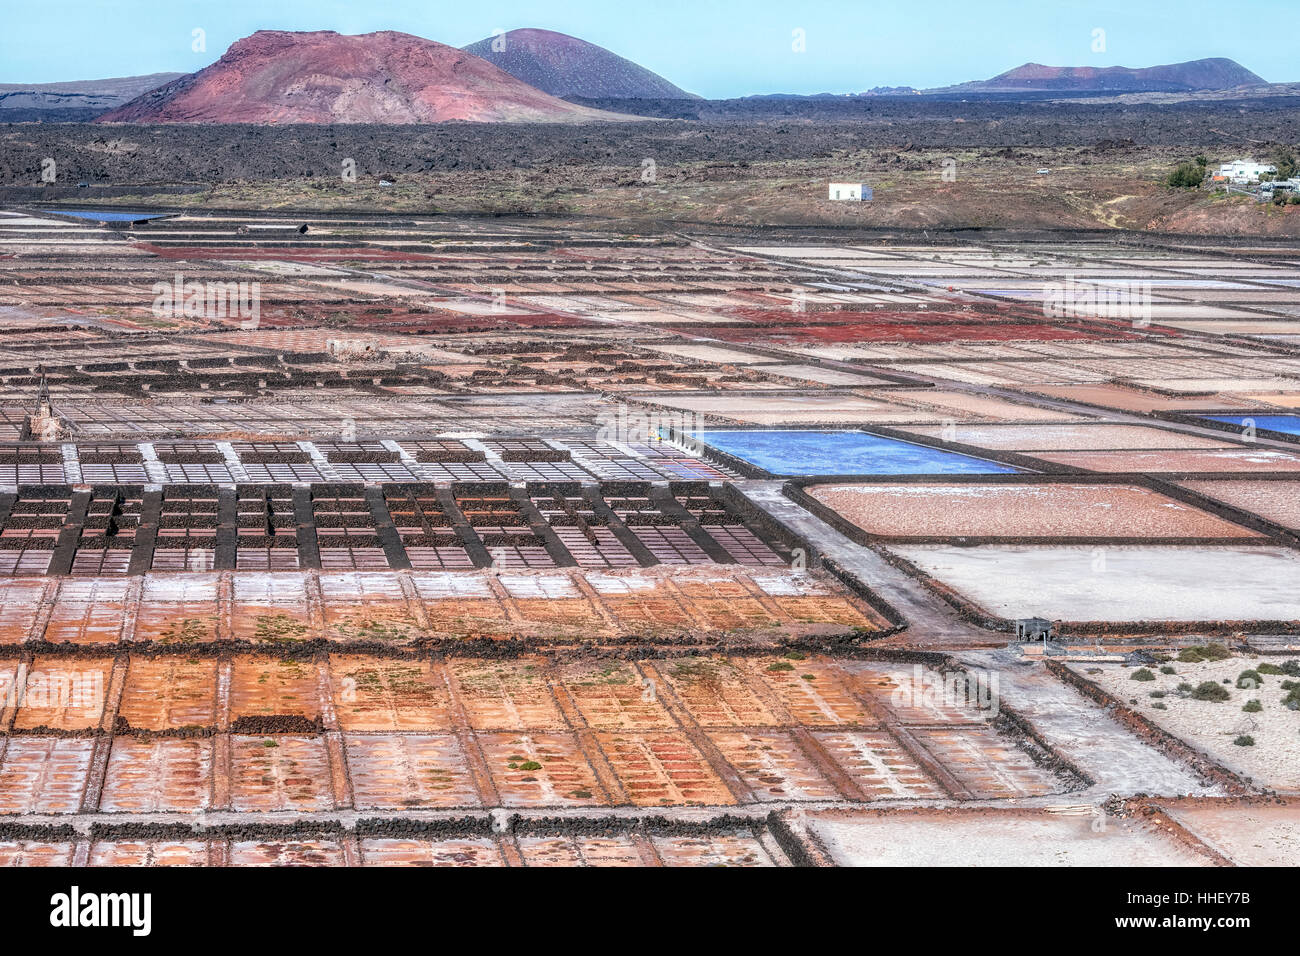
[[716, 48]]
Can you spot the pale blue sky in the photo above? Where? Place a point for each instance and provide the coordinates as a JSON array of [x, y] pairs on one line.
[[716, 48]]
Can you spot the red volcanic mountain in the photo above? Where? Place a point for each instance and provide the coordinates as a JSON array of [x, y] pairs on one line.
[[275, 76], [1216, 73], [566, 66]]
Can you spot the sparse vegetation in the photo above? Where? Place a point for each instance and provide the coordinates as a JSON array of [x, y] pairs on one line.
[[279, 628], [1199, 653], [1212, 702], [1143, 674], [1245, 740], [185, 631]]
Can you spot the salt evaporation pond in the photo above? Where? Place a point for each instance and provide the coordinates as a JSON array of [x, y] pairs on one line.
[[799, 452], [1286, 424]]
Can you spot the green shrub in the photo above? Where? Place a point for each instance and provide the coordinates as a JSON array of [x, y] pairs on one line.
[[1157, 694], [1168, 670], [1253, 707], [1203, 652], [1184, 689], [1159, 705], [1284, 158], [1267, 668], [1292, 700], [1142, 674], [1291, 667], [1248, 679], [1186, 176], [1209, 690], [1245, 740]]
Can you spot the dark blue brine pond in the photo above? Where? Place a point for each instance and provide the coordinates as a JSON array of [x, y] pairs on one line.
[[97, 215], [1286, 424], [793, 453]]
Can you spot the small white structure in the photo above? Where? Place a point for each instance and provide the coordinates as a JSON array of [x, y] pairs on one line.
[[858, 192], [1242, 171], [352, 350], [1291, 185]]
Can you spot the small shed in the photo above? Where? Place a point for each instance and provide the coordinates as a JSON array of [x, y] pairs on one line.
[[1034, 629], [856, 192]]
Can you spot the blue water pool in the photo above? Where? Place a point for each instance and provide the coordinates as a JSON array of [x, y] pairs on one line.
[[97, 215], [843, 453], [1287, 424]]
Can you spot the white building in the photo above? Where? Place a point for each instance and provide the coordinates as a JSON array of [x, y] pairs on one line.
[[859, 192], [1241, 171]]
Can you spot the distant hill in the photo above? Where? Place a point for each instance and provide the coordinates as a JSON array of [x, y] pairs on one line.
[[1216, 73], [566, 66], [277, 76], [79, 97]]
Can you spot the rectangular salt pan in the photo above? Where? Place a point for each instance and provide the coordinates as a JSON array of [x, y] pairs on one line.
[[843, 453]]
